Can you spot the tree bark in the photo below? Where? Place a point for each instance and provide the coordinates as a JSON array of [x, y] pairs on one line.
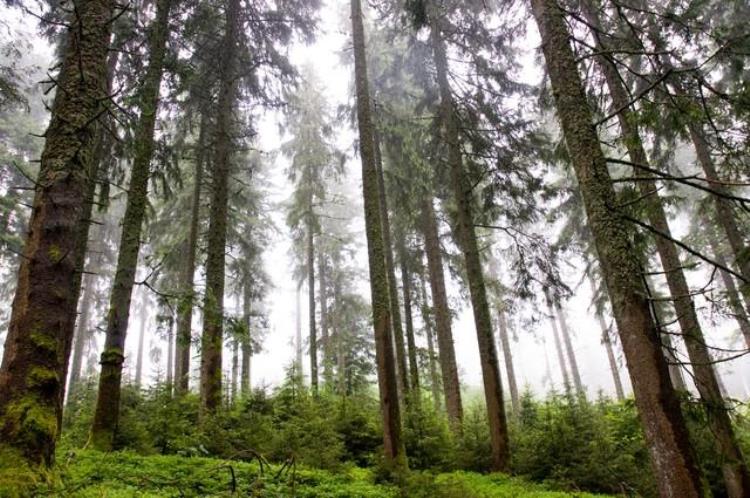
[[619, 392], [396, 329], [298, 329], [467, 241], [247, 351], [672, 456], [388, 383], [558, 343], [325, 338], [170, 353], [213, 304], [311, 304], [410, 342], [141, 346], [434, 379], [508, 355], [107, 410], [446, 351], [81, 337], [185, 310], [734, 469], [235, 370], [38, 339], [570, 352]]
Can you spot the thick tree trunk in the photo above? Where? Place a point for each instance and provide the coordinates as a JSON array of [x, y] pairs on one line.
[[213, 304], [619, 392], [558, 344], [734, 469], [672, 456], [247, 351], [502, 327], [324, 335], [411, 344], [397, 329], [441, 312], [185, 309], [311, 305], [38, 339], [431, 356], [467, 241], [107, 411], [388, 382], [570, 352], [141, 347]]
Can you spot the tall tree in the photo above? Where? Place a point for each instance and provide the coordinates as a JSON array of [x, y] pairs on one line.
[[672, 456], [35, 348], [388, 383]]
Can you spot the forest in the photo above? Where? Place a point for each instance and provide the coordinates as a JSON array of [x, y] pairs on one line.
[[379, 249]]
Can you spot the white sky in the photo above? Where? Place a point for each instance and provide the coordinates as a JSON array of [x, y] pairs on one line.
[[533, 351]]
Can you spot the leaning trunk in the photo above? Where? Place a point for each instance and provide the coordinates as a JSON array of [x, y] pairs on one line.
[[213, 304], [38, 338], [558, 345], [467, 241], [388, 383], [107, 410], [672, 456], [448, 366], [570, 352]]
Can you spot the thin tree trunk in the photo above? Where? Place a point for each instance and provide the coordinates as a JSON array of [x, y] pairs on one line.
[[408, 319], [434, 379], [170, 353], [672, 457], [311, 304], [247, 351], [107, 410], [323, 298], [448, 366], [235, 369], [298, 330], [337, 334], [467, 239], [734, 469], [139, 353], [508, 355], [40, 333], [185, 310], [570, 352], [82, 336], [619, 392], [388, 382], [213, 305], [558, 343], [397, 329]]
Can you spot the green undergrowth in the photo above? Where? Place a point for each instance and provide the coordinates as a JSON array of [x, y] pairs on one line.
[[89, 474]]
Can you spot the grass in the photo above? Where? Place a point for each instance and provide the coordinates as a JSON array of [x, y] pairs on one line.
[[89, 474]]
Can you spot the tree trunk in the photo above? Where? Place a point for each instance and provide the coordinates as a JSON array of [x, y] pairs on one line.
[[325, 338], [448, 366], [38, 339], [558, 343], [410, 342], [185, 310], [388, 383], [467, 241], [235, 369], [141, 346], [213, 304], [247, 351], [397, 329], [82, 337], [508, 355], [619, 392], [571, 355], [107, 411], [298, 330], [337, 334], [736, 476], [672, 457], [311, 304], [434, 379], [170, 354]]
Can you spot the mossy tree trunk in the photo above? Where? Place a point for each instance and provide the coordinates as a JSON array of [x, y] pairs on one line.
[[672, 456], [467, 241], [107, 410], [37, 343], [386, 367], [213, 304], [734, 469], [185, 308], [441, 312]]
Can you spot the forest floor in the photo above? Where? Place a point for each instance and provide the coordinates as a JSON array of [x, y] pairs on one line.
[[88, 474]]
